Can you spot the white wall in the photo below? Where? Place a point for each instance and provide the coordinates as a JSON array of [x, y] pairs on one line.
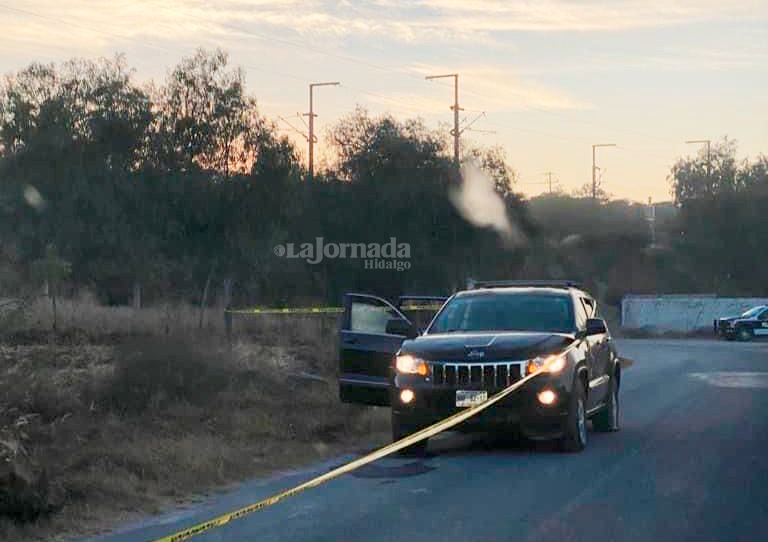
[[681, 312]]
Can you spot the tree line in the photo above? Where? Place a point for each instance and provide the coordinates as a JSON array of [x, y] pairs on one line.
[[174, 189]]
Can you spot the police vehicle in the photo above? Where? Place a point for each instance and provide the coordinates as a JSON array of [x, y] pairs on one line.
[[745, 327]]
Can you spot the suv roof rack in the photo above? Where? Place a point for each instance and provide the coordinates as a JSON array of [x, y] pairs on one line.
[[474, 284]]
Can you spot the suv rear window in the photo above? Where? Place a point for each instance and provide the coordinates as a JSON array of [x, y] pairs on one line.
[[506, 312]]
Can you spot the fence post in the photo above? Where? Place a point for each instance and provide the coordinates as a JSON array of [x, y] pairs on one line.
[[228, 325]]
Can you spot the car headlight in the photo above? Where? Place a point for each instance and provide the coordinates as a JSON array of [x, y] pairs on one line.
[[553, 364], [411, 365]]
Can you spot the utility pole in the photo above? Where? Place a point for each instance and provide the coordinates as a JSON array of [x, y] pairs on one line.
[[651, 217], [312, 139], [709, 153], [594, 167], [456, 132], [549, 179]]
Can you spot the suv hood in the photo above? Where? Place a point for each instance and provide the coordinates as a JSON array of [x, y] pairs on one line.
[[729, 318], [486, 346], [735, 319]]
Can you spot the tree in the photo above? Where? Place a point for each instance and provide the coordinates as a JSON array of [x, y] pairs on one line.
[[83, 102], [206, 121], [53, 270], [383, 149], [22, 96], [722, 221], [706, 176], [753, 176], [142, 189], [596, 242]]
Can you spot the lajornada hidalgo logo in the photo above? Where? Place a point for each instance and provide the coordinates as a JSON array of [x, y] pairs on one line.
[[391, 255]]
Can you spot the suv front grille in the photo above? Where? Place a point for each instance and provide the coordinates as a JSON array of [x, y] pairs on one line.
[[478, 375]]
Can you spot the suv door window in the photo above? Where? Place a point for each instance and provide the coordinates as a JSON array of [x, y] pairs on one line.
[[581, 314], [370, 315], [590, 307], [764, 316]]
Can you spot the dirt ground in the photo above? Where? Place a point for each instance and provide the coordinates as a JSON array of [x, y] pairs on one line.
[[132, 425]]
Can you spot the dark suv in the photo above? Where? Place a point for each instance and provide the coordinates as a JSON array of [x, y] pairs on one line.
[[481, 341]]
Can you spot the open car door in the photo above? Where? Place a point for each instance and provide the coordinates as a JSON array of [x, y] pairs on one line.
[[371, 333]]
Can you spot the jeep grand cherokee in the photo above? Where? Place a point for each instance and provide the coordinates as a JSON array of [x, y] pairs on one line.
[[481, 341]]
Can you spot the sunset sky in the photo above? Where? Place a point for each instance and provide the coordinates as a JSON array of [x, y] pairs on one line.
[[553, 77]]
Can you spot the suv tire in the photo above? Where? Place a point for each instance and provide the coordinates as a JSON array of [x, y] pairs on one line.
[[607, 420], [575, 437], [744, 334]]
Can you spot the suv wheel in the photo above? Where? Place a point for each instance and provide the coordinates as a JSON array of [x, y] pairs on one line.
[[607, 420], [400, 430], [575, 438], [744, 334]]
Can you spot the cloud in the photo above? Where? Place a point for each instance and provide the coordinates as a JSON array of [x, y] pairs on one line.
[[318, 21], [565, 15], [79, 25], [698, 59], [175, 23]]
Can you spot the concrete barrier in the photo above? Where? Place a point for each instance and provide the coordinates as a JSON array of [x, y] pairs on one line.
[[680, 313]]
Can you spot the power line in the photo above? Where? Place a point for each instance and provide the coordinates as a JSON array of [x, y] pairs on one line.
[[66, 22], [390, 99], [311, 140], [389, 69], [394, 100], [349, 58], [293, 128], [310, 48]]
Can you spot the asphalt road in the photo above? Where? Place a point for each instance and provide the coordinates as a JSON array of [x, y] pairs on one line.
[[690, 463]]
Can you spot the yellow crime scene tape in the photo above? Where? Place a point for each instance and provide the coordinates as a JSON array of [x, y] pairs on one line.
[[322, 310], [424, 434], [305, 310]]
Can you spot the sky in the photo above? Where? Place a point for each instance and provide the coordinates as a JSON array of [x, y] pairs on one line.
[[545, 79]]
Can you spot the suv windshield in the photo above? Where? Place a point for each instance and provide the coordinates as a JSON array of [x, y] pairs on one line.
[[506, 312], [754, 311]]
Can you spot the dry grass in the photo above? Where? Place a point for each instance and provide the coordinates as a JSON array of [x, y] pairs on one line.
[[82, 319], [84, 316], [135, 424]]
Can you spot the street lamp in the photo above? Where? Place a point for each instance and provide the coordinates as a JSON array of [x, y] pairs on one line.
[[456, 133], [312, 139]]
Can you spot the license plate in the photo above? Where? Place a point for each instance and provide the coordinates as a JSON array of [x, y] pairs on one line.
[[466, 398]]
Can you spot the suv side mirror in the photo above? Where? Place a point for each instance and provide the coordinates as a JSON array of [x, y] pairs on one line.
[[398, 326], [596, 326]]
